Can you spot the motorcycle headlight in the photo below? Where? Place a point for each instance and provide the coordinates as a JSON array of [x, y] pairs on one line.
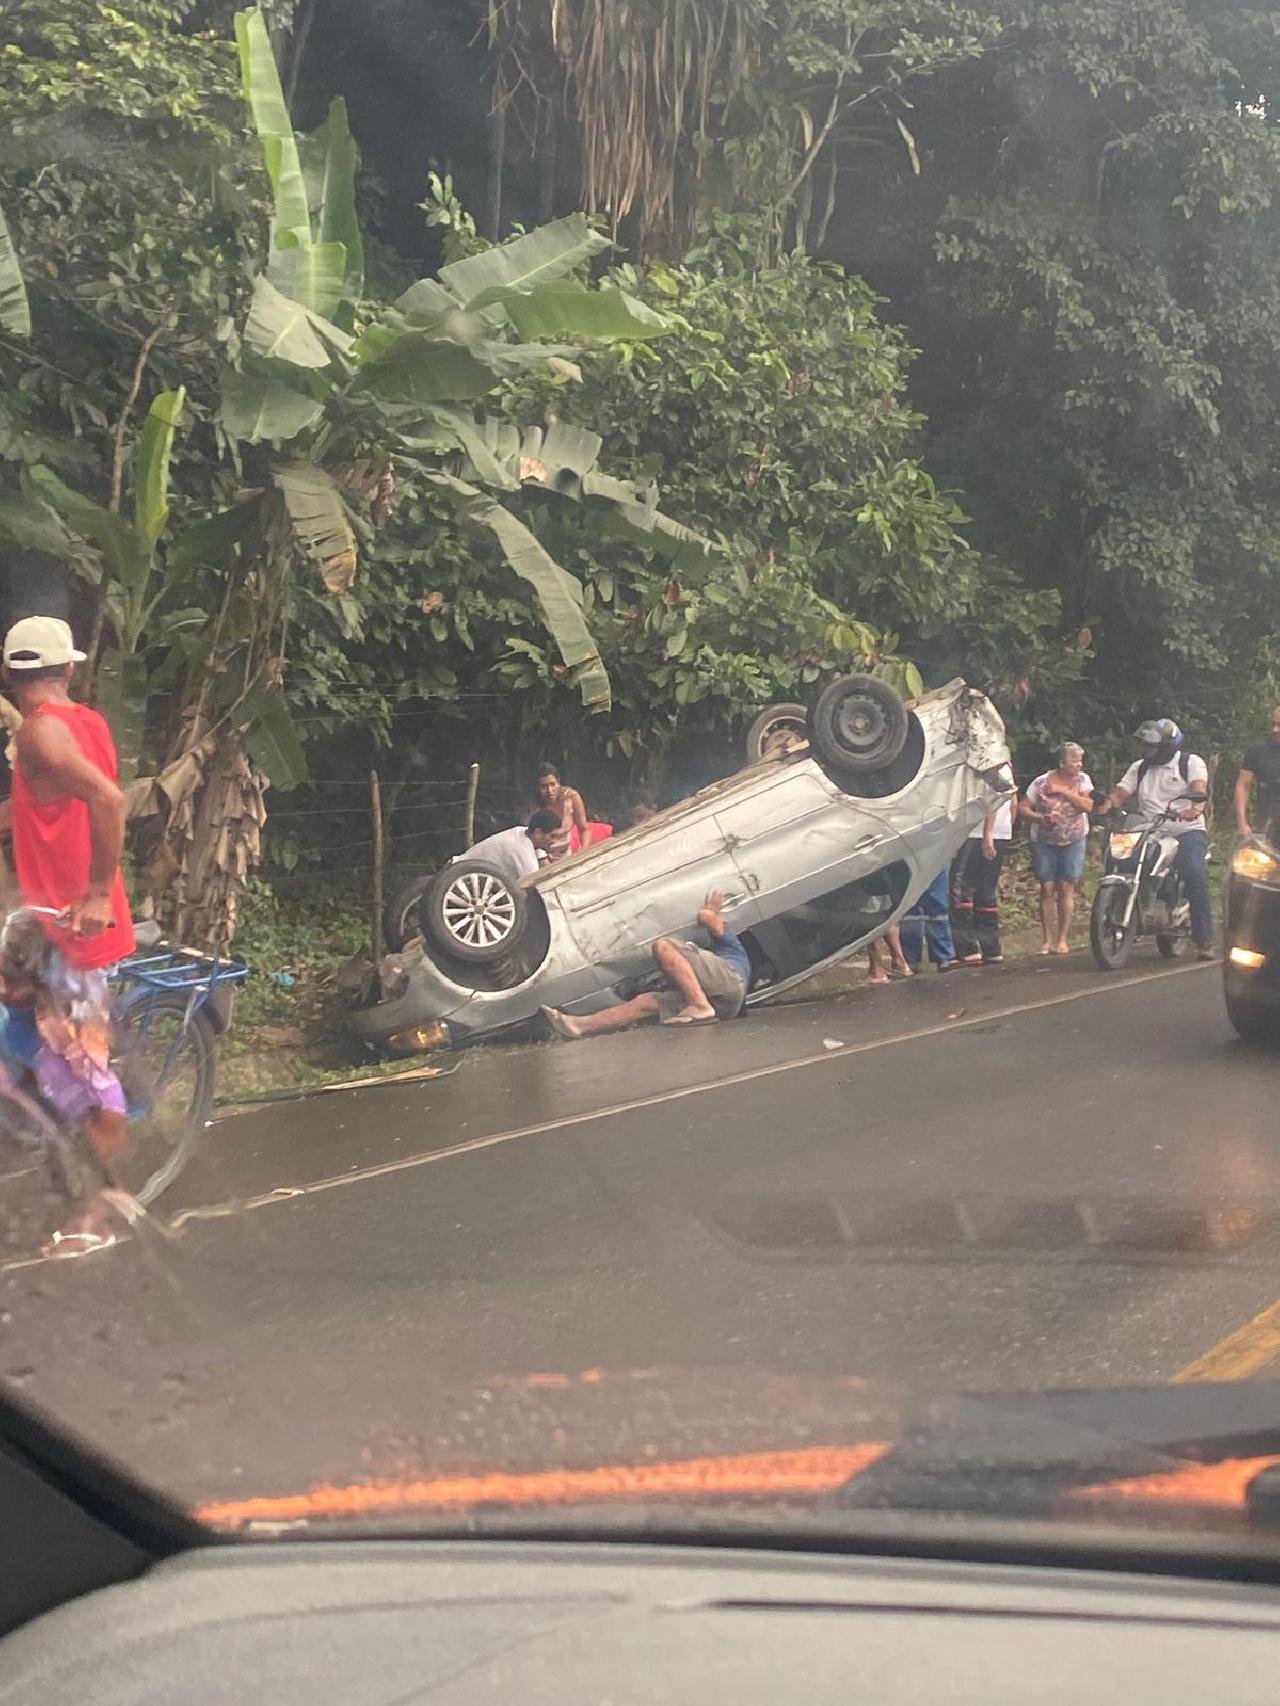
[[1256, 864], [1123, 844]]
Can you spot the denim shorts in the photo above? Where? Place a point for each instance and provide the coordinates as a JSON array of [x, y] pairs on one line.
[[1058, 864]]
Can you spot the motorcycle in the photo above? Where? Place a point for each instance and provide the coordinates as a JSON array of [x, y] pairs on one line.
[[1140, 893]]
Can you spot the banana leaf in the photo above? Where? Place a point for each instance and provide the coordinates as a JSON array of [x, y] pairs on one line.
[[15, 310], [272, 738], [558, 456], [213, 542], [262, 91], [425, 301], [418, 368], [544, 255], [289, 331], [320, 521], [559, 596], [30, 523], [257, 407], [489, 447], [329, 161], [565, 309], [312, 274], [632, 512], [126, 555], [151, 464]]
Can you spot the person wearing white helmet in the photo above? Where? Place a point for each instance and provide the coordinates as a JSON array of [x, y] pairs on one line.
[[1168, 778]]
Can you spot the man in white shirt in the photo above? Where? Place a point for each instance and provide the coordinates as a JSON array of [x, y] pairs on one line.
[[1168, 778], [519, 851]]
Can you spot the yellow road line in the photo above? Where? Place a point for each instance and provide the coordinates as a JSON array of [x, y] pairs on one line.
[[1240, 1355], [432, 1157]]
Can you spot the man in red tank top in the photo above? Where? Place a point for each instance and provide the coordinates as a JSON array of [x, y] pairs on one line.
[[66, 814]]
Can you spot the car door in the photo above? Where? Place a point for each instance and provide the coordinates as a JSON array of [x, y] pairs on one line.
[[798, 836], [621, 896]]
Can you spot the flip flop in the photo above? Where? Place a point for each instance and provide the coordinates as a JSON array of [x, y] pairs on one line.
[[679, 1019], [66, 1244]]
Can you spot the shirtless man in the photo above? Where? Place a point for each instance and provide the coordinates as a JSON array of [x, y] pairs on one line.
[[66, 815]]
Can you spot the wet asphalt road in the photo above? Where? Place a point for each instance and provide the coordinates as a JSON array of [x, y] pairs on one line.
[[658, 1245]]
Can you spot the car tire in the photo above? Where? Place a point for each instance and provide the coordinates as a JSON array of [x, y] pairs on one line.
[[772, 726], [858, 725], [473, 914], [1251, 1021], [400, 918]]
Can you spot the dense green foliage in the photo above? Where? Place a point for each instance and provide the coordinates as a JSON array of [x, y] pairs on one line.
[[393, 514], [1090, 262]]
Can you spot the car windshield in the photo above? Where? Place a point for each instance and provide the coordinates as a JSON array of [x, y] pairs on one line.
[[585, 589]]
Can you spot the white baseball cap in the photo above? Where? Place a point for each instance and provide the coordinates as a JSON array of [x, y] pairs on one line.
[[39, 642]]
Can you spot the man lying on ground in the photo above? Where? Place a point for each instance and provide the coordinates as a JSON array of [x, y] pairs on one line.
[[702, 984]]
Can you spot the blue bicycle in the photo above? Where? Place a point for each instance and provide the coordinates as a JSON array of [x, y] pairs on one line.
[[169, 1008]]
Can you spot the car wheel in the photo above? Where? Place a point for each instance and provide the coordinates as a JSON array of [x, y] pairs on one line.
[[859, 724], [1252, 1022], [472, 913], [773, 728], [400, 921]]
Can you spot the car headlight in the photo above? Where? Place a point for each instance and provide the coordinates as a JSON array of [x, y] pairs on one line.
[[1256, 864], [1123, 844], [420, 1039]]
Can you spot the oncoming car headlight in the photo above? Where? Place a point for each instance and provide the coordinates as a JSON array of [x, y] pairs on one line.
[[1257, 864], [1123, 843]]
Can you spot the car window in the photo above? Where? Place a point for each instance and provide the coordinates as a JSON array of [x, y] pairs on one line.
[[543, 548]]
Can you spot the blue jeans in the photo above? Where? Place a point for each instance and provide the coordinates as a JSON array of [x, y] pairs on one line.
[[1058, 864], [1193, 850], [929, 920]]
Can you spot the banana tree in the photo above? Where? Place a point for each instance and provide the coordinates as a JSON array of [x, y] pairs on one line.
[[402, 395], [330, 402], [142, 596]]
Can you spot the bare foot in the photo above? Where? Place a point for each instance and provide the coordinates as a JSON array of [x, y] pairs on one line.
[[562, 1024], [1047, 948], [692, 1016], [879, 981], [1063, 948], [905, 970]]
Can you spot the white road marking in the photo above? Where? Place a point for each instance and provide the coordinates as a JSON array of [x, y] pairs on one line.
[[430, 1158]]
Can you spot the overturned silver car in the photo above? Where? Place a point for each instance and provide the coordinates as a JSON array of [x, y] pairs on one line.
[[819, 846]]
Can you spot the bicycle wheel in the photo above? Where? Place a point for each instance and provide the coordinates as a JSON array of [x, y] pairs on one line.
[[166, 1057]]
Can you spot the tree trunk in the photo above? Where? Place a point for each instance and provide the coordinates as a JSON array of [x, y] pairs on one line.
[[302, 29], [220, 843], [547, 141], [497, 128]]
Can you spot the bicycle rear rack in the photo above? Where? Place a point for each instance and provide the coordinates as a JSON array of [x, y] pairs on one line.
[[182, 968]]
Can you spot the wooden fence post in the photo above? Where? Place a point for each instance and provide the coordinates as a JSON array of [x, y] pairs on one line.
[[375, 810], [473, 788]]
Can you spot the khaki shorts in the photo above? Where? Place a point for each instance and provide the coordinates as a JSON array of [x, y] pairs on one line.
[[721, 985]]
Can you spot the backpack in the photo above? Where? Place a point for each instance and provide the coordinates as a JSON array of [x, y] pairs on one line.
[[1183, 760]]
